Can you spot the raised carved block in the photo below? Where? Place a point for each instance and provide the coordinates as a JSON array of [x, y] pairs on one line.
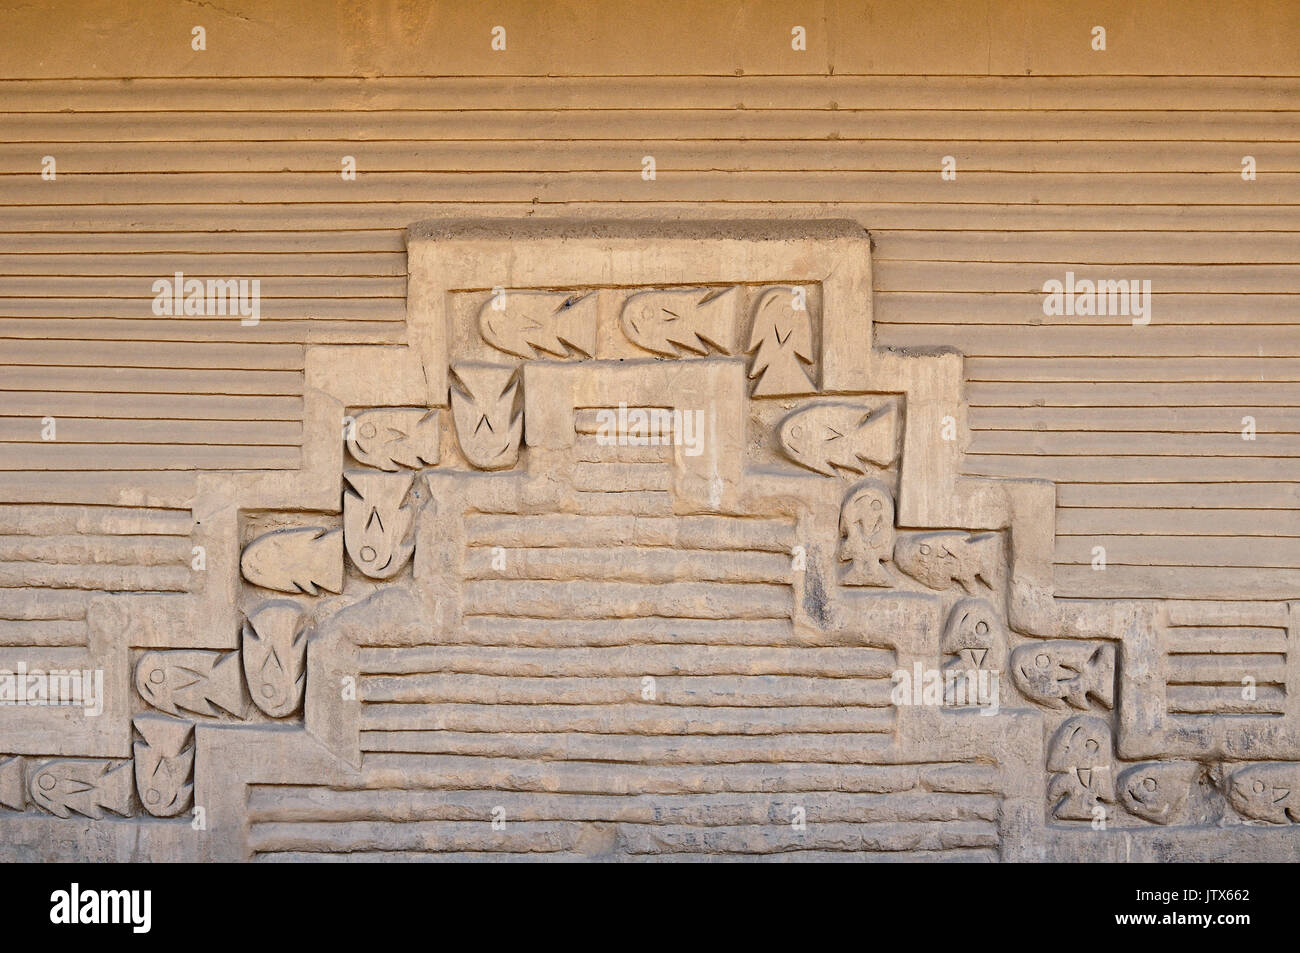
[[781, 345], [85, 787], [1267, 792], [295, 560], [530, 324], [484, 405], [867, 534], [164, 764], [1158, 791], [192, 683], [275, 656], [701, 321], [939, 560], [1082, 756], [1061, 673], [377, 522], [830, 437], [393, 438]]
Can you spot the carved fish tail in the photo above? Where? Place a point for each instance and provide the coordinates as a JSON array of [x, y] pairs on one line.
[[874, 439], [715, 323], [1100, 678], [225, 686], [575, 325], [116, 788]]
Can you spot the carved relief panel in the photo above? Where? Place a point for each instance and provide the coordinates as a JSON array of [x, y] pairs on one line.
[[639, 540]]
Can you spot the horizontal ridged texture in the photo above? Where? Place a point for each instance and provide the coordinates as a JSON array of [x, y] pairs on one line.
[[1134, 177]]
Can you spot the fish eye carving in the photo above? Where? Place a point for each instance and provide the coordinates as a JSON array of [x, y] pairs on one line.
[[396, 438], [836, 437]]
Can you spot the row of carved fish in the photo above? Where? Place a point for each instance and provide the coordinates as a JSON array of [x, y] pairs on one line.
[[376, 532], [486, 411], [192, 685], [199, 683], [1057, 674], [163, 762], [937, 559], [1081, 754], [683, 322]]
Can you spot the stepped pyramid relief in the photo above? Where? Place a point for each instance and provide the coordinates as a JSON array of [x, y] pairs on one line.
[[635, 544]]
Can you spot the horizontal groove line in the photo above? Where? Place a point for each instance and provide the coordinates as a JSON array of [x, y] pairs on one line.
[[461, 77], [184, 368], [1196, 567], [620, 139], [1230, 177], [1081, 429], [560, 621], [1167, 533], [142, 393], [736, 108], [537, 201], [180, 447], [179, 420], [1125, 456], [1248, 382], [560, 107]]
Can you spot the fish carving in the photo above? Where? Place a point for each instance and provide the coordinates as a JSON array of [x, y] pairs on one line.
[[12, 792], [526, 323], [164, 764], [1267, 792], [781, 344], [275, 656], [193, 681], [295, 560], [483, 406], [974, 639], [397, 437], [86, 787], [1158, 790], [1081, 755], [940, 559], [376, 522], [1065, 672], [695, 320], [867, 534], [827, 437]]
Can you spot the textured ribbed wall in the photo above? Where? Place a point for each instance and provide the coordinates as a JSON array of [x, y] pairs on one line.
[[216, 170]]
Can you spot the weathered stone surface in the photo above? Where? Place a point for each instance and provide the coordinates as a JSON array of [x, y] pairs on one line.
[[164, 764], [688, 569]]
